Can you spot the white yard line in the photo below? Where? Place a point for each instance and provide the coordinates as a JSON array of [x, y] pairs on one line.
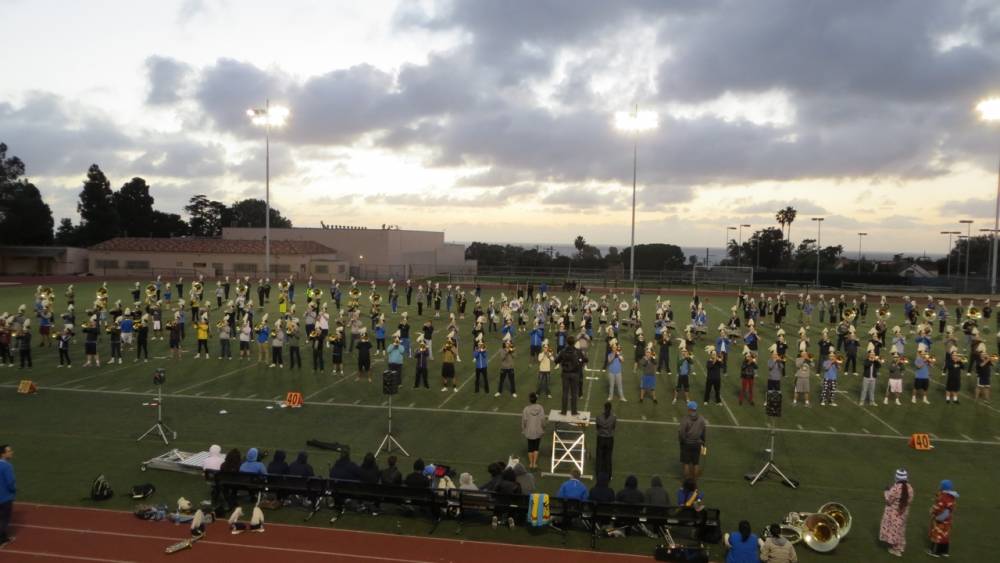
[[731, 415], [325, 387], [870, 413], [467, 380], [514, 414], [100, 373], [227, 374]]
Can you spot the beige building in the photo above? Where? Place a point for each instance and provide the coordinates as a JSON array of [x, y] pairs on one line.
[[377, 253], [126, 256], [42, 260]]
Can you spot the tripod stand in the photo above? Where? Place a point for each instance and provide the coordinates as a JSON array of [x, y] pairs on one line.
[[389, 441], [159, 427], [770, 466]]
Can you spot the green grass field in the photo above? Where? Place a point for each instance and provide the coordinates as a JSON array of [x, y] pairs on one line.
[[85, 421]]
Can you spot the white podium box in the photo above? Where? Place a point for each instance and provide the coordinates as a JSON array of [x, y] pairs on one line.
[[569, 444]]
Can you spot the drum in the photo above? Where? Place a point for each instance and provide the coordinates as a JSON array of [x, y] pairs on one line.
[[772, 405]]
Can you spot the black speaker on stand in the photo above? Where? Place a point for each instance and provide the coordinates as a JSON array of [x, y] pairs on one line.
[[772, 407], [391, 380]]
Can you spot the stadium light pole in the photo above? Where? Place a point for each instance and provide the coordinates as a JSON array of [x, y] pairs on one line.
[[992, 264], [950, 234], [860, 236], [267, 117], [968, 251], [989, 111], [635, 122], [819, 229], [739, 250]]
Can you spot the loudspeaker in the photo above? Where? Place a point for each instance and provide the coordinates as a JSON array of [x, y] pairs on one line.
[[391, 380], [772, 405]]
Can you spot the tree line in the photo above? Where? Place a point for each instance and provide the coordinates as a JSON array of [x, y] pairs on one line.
[[104, 213]]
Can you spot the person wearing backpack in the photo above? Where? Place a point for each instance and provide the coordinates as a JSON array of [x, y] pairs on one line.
[[7, 491]]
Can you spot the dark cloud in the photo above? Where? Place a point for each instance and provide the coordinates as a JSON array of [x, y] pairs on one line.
[[166, 79]]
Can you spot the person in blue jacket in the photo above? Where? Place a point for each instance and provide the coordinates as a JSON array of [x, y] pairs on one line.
[[481, 359], [8, 489], [744, 545], [252, 464]]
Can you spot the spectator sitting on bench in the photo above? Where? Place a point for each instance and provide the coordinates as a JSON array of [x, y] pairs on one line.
[[495, 470], [252, 465], [214, 460], [631, 493], [466, 482], [524, 479], [508, 483], [602, 491], [278, 465], [369, 472], [300, 467], [232, 462], [689, 496], [656, 494], [416, 479], [573, 488], [344, 469], [391, 475]]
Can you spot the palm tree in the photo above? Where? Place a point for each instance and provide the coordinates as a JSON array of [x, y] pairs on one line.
[[782, 219], [790, 214]]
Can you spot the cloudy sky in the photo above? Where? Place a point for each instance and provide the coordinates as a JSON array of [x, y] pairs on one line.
[[494, 120]]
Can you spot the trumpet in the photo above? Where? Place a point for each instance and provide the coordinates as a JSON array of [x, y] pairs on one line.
[[883, 312], [316, 332], [838, 358], [220, 324]]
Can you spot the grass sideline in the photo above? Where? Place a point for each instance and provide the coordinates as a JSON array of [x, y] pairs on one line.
[[85, 421]]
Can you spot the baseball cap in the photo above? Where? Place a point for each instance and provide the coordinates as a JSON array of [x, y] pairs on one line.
[[692, 406]]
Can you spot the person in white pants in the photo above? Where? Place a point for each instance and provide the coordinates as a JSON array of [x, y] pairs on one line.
[[870, 378]]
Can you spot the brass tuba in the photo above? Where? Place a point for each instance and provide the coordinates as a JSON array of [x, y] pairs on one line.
[[850, 313], [974, 313], [930, 315], [821, 530], [884, 312]]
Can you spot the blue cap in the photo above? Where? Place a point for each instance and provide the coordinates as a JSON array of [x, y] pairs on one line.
[[946, 485], [429, 470], [692, 406]]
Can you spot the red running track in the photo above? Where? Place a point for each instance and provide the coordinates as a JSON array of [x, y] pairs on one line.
[[48, 533]]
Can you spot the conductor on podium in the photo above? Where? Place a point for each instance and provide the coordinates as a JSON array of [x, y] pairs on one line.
[[571, 362]]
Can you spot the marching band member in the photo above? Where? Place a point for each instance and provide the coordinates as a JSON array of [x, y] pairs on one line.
[[507, 367], [535, 338], [942, 316], [984, 369], [91, 334], [201, 331], [337, 350], [895, 385], [614, 370], [174, 337], [748, 371], [277, 345], [640, 348], [448, 358], [263, 339], [545, 361], [851, 345], [292, 343], [870, 379], [225, 333], [316, 344], [822, 308], [803, 371], [480, 359], [713, 377], [831, 368], [685, 368], [775, 371], [380, 336], [953, 383], [5, 341], [921, 379], [167, 293], [648, 382], [246, 334], [421, 356], [115, 336], [404, 333], [722, 347], [663, 361], [364, 348], [63, 345], [428, 334], [23, 341]]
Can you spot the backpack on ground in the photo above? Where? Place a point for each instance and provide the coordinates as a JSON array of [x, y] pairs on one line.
[[101, 489]]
